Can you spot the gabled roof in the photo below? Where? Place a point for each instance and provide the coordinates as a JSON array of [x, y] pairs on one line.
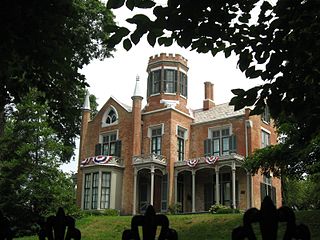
[[221, 111], [125, 106]]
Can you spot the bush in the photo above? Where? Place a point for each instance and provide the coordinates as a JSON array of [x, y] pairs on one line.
[[227, 211], [104, 212], [216, 207], [174, 208]]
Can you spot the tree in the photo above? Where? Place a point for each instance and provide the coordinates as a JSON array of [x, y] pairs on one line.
[[31, 184], [43, 45], [281, 46]]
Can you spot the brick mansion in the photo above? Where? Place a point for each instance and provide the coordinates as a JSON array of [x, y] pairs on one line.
[[165, 153]]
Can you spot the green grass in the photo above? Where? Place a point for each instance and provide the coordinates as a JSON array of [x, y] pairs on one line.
[[189, 227]]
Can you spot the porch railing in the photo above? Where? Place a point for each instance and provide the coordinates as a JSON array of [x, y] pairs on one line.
[[149, 158]]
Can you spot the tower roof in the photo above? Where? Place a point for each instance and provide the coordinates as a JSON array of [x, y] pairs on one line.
[[137, 89], [86, 104]]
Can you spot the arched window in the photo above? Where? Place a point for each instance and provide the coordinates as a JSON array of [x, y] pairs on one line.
[[110, 117]]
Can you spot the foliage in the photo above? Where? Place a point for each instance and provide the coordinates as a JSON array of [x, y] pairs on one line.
[[222, 209], [302, 193], [281, 46], [31, 184], [175, 208], [104, 212], [44, 44]]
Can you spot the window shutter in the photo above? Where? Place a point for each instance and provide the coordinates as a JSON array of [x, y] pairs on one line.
[[208, 147], [118, 148], [98, 149], [233, 144], [263, 191]]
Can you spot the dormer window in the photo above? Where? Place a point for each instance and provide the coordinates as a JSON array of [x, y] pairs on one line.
[[110, 117]]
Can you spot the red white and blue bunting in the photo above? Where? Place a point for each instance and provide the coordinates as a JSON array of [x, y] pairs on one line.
[[192, 162], [209, 160], [96, 160], [212, 159]]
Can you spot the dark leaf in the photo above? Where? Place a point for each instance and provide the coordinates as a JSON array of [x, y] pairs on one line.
[[139, 19], [146, 4], [127, 44], [151, 39], [130, 4], [238, 91], [114, 4]]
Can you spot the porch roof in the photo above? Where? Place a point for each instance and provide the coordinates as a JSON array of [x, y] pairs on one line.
[[206, 162]]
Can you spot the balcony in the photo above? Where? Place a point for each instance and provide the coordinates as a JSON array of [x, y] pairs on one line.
[[102, 160], [152, 158], [202, 162]]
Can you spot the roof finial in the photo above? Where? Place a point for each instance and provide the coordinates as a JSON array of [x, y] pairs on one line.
[[86, 104], [137, 91]]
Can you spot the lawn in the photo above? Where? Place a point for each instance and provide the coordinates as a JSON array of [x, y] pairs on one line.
[[189, 227]]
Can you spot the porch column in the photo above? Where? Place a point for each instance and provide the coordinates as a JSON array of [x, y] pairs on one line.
[[193, 191], [234, 185], [99, 189], [152, 185], [217, 185], [248, 190], [134, 192], [175, 187]]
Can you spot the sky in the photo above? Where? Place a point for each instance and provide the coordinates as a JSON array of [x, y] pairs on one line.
[[116, 76]]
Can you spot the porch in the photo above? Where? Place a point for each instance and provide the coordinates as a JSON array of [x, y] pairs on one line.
[[201, 182]]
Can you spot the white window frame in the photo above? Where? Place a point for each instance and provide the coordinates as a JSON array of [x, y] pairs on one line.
[[220, 128], [152, 127], [106, 114]]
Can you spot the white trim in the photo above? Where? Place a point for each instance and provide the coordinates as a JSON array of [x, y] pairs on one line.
[[185, 137], [182, 70], [149, 134], [210, 129], [105, 115], [155, 69], [165, 109], [170, 68], [265, 130], [101, 134]]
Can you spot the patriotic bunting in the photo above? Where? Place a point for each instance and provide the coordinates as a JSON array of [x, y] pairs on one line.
[[96, 160], [212, 159], [192, 162]]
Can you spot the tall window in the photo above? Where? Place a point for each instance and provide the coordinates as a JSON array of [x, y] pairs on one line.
[[105, 190], [95, 185], [156, 136], [170, 81], [183, 84], [181, 143], [265, 116], [154, 82], [265, 139], [266, 188], [109, 144], [221, 141], [92, 188], [87, 188]]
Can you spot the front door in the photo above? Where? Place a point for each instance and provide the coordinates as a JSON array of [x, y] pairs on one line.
[[143, 196], [208, 196]]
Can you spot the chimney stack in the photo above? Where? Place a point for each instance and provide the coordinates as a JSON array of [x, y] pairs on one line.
[[208, 102]]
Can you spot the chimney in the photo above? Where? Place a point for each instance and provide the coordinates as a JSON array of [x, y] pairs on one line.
[[208, 102], [136, 115]]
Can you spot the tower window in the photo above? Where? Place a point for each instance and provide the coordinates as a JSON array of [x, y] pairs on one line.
[[154, 82], [181, 133], [183, 84], [170, 81], [156, 137]]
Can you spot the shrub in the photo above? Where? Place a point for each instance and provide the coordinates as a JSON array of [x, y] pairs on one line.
[[174, 208], [227, 211], [104, 212], [214, 208]]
